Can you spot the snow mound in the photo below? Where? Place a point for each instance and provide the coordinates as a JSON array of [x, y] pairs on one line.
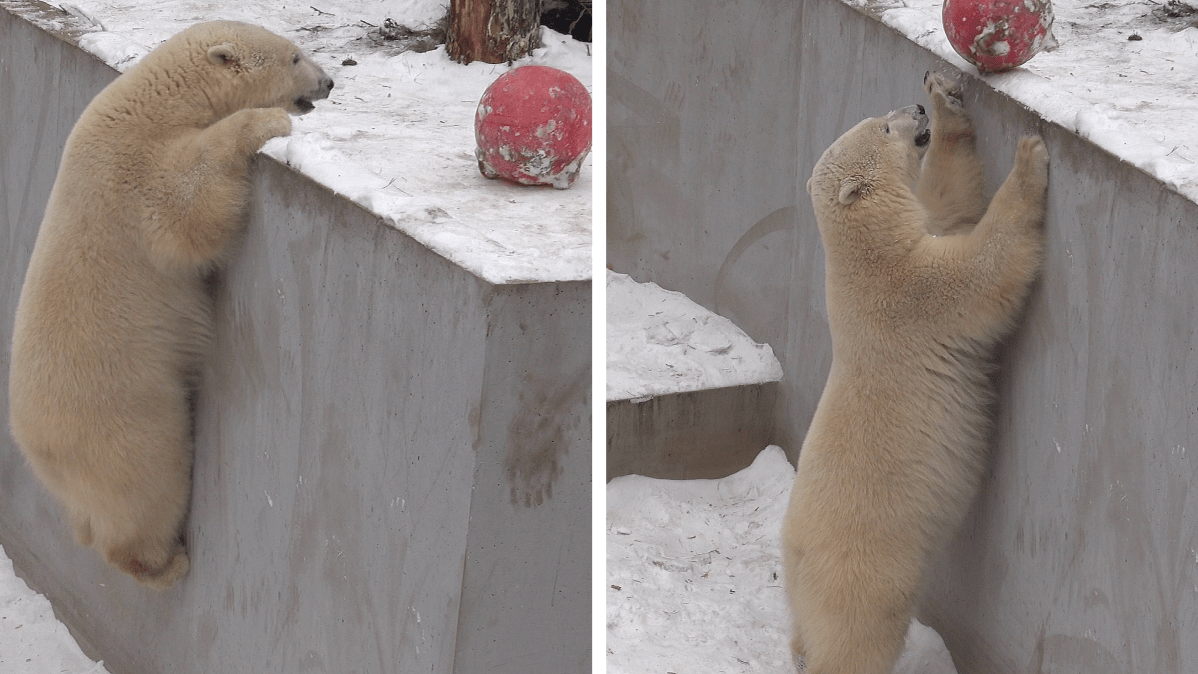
[[660, 342], [694, 577], [32, 640]]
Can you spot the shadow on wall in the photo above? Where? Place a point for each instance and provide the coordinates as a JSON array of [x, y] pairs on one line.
[[751, 286], [756, 302]]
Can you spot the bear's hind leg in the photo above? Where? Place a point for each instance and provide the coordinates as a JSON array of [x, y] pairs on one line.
[[62, 478], [951, 182], [852, 609], [798, 650], [142, 536], [865, 641], [138, 519]]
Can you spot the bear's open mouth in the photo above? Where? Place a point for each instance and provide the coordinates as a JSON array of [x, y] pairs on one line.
[[923, 138], [304, 106]]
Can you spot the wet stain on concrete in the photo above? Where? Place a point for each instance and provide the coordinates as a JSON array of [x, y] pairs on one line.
[[539, 437]]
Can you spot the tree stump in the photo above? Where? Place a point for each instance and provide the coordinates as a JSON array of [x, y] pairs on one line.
[[493, 31]]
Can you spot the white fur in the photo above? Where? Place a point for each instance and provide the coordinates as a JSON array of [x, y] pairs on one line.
[[923, 280], [114, 317]]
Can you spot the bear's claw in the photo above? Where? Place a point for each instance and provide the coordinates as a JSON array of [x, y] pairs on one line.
[[940, 86]]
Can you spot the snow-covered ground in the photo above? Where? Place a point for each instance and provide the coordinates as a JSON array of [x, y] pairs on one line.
[[32, 640], [659, 342], [694, 577], [1123, 76], [397, 133]]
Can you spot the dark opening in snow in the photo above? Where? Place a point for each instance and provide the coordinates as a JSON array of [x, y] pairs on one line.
[[572, 17]]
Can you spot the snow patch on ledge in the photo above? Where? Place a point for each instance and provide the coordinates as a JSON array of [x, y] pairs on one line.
[[660, 342]]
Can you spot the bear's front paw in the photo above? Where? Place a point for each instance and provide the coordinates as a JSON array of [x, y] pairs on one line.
[[261, 124], [1031, 160], [941, 88], [948, 105], [275, 122]]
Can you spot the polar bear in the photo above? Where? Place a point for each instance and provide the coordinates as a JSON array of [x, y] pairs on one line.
[[114, 316], [918, 297]]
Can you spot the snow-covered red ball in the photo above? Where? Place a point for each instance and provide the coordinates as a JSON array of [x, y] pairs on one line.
[[533, 127], [998, 35]]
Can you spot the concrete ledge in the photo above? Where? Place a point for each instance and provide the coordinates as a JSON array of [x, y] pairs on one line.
[[689, 394], [692, 435], [393, 456]]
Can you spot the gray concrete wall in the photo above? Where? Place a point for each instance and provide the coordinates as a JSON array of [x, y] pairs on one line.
[[692, 435], [526, 593], [701, 161], [368, 427], [1079, 554]]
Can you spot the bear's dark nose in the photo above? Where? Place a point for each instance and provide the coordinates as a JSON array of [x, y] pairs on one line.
[[323, 86], [921, 111]]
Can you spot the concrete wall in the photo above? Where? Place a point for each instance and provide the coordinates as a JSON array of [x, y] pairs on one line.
[[1079, 554], [392, 465], [693, 435]]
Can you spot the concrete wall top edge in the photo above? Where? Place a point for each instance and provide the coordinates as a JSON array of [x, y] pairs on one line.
[[1048, 90], [51, 19], [488, 280], [512, 249]]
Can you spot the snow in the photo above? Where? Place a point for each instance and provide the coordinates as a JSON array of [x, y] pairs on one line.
[[693, 572], [660, 342], [397, 133], [1135, 98], [32, 640]]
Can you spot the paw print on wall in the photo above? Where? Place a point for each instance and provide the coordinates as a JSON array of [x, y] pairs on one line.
[[539, 439]]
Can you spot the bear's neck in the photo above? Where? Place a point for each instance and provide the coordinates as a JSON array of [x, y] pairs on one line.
[[874, 226]]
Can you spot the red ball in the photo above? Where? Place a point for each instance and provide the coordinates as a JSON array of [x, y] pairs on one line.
[[998, 35], [533, 127]]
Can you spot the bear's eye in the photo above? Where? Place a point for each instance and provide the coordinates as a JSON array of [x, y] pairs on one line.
[[886, 128], [295, 59]]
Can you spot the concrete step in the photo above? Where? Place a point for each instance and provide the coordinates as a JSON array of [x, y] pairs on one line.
[[689, 394]]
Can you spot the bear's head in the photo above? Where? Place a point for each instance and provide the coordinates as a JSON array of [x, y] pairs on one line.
[[878, 153], [251, 67]]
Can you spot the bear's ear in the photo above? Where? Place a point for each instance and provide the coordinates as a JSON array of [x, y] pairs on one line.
[[809, 185], [223, 55], [850, 189]]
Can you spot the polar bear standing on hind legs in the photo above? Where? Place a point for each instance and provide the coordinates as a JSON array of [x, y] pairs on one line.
[[113, 319], [918, 296]]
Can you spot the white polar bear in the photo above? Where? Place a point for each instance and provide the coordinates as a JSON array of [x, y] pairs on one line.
[[113, 318], [918, 298]]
